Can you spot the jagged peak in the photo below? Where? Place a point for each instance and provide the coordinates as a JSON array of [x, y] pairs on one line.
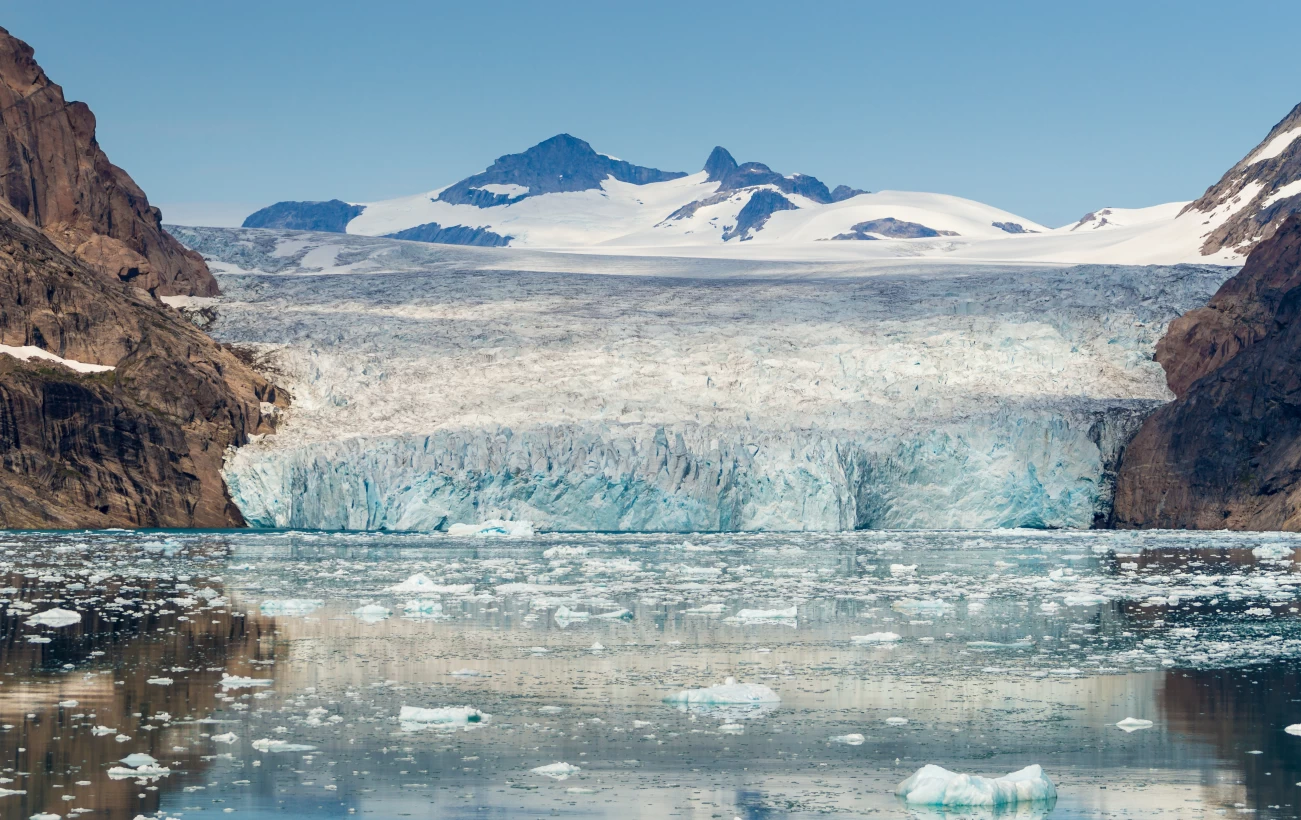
[[720, 164]]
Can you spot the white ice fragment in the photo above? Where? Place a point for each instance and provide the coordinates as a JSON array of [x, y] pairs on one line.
[[1084, 599], [1294, 729], [1130, 724], [100, 731], [766, 616], [268, 745], [936, 786], [854, 739], [55, 617], [160, 681], [147, 772], [6, 792], [876, 637], [707, 609], [228, 737], [897, 721], [903, 570], [414, 718], [565, 616], [416, 583], [139, 759], [495, 527], [729, 692], [731, 729], [557, 771], [423, 608], [292, 606], [237, 682], [371, 613], [67, 704]]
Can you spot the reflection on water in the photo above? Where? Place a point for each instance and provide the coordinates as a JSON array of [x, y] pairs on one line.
[[1011, 649]]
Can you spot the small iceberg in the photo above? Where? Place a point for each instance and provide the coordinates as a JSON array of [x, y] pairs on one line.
[[785, 617], [371, 613], [557, 771], [876, 637], [1294, 729], [138, 759], [228, 737], [269, 745], [147, 772], [730, 700], [936, 786], [55, 618], [1130, 724], [854, 739], [237, 682], [1085, 599], [416, 583], [495, 527], [565, 616], [292, 606], [415, 718]]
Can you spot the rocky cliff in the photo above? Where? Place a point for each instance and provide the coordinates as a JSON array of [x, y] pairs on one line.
[[1227, 452], [56, 176], [82, 258]]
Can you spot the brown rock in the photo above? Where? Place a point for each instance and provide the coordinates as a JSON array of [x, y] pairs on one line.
[[1227, 452], [140, 446], [57, 177]]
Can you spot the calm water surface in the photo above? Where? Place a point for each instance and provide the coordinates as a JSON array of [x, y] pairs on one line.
[[1013, 648]]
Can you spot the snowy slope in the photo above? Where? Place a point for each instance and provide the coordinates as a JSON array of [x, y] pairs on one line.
[[435, 385]]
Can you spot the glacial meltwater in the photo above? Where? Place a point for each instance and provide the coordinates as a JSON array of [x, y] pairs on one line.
[[298, 674]]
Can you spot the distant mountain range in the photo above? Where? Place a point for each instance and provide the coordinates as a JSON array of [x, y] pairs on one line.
[[562, 194]]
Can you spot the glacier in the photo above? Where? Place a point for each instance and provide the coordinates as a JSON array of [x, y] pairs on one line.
[[435, 385]]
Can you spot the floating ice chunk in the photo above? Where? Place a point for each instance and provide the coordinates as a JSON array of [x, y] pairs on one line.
[[1259, 612], [1294, 729], [707, 609], [291, 607], [1272, 552], [139, 759], [55, 617], [991, 645], [731, 729], [371, 613], [422, 609], [903, 570], [596, 647], [729, 692], [160, 681], [237, 682], [565, 616], [849, 740], [766, 616], [614, 615], [414, 718], [935, 606], [100, 731], [45, 815], [566, 552], [37, 639], [876, 637], [936, 786], [148, 771], [67, 704], [228, 737], [1130, 724], [467, 673], [495, 527], [897, 721], [7, 792], [1085, 599], [557, 771], [268, 745], [416, 583]]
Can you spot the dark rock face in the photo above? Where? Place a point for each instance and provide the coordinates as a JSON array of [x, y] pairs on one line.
[[139, 446], [763, 204], [1011, 227], [560, 164], [57, 178], [1227, 452], [1260, 182], [453, 235], [332, 216], [720, 167], [893, 229]]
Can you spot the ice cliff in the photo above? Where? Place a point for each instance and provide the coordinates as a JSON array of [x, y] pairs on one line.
[[440, 385]]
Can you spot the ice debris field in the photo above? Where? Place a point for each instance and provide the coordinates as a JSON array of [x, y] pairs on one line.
[[772, 675]]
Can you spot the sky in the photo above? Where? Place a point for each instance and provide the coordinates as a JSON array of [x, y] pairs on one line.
[[1048, 110]]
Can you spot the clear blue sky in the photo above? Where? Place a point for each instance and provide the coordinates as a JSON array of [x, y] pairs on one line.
[[1047, 109]]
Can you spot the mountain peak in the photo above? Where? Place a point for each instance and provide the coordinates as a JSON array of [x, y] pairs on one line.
[[720, 164], [560, 164]]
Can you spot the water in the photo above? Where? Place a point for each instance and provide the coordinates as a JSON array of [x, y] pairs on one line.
[[1015, 647]]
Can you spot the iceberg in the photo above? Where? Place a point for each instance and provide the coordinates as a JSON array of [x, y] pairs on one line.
[[237, 682], [146, 772], [557, 771], [495, 527], [876, 637], [269, 745], [55, 617], [752, 698], [854, 739], [1130, 724], [371, 613], [934, 785], [292, 606], [415, 718], [786, 617]]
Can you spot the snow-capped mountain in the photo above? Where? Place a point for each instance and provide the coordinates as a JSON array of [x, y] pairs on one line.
[[561, 194]]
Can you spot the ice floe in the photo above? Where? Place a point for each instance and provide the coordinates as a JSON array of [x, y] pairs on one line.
[[934, 785]]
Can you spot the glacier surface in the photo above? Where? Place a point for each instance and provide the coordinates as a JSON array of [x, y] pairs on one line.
[[441, 385]]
